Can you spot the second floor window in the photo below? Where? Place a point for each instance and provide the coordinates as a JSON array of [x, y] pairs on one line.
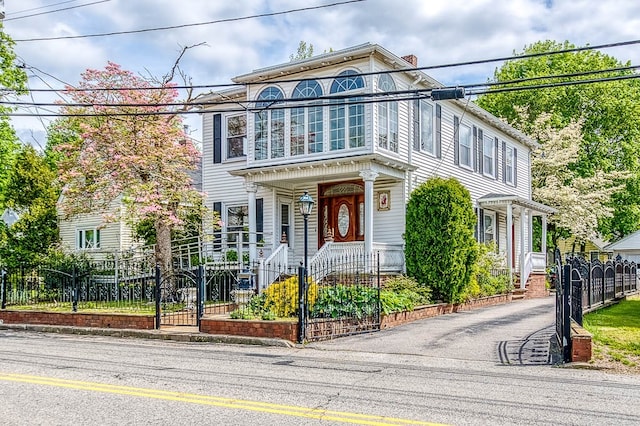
[[236, 136], [307, 122], [466, 146], [423, 127], [509, 165], [387, 116], [488, 156], [346, 117], [269, 125]]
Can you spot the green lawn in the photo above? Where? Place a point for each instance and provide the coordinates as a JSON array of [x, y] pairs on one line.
[[616, 332]]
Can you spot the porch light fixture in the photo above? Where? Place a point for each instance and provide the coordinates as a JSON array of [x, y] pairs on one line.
[[306, 204]]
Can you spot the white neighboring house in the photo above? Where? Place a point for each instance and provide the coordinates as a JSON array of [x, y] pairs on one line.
[[628, 248], [90, 234], [359, 156]]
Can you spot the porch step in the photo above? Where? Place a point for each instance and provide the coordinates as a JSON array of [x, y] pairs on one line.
[[519, 293]]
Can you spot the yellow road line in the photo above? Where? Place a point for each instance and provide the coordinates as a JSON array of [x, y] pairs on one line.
[[239, 404]]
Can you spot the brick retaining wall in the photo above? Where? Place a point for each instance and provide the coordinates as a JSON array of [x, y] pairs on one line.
[[76, 319], [287, 330]]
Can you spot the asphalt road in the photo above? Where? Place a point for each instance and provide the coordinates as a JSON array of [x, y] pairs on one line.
[[459, 369]]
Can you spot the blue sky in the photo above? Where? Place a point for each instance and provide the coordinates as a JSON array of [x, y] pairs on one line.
[[436, 31]]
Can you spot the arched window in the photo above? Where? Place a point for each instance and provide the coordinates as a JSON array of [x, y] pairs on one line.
[[346, 117], [307, 122], [387, 116], [269, 125]]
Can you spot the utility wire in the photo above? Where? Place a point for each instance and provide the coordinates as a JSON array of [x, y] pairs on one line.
[[57, 10], [41, 7], [355, 99], [173, 27], [363, 74], [390, 94]]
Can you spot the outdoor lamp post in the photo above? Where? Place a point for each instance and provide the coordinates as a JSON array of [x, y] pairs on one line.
[[306, 205]]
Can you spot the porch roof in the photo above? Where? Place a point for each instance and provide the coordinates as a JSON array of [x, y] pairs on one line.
[[502, 200], [340, 167]]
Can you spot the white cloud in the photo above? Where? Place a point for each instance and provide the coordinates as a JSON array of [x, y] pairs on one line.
[[437, 31]]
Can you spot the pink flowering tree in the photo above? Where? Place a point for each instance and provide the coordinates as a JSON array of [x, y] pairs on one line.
[[130, 145]]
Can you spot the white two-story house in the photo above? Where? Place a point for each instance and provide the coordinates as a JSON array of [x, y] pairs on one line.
[[356, 128]]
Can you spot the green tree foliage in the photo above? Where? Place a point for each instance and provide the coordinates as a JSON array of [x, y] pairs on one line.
[[31, 192], [440, 248], [609, 113], [12, 81], [305, 51]]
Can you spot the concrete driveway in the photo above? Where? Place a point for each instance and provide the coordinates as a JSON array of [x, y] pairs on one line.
[[514, 333]]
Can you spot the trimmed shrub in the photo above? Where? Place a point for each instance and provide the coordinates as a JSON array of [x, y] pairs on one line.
[[440, 249], [281, 298]]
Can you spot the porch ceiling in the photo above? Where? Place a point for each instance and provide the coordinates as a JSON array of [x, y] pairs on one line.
[[325, 170], [501, 201]]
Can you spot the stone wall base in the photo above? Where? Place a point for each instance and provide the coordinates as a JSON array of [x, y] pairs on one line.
[[77, 319]]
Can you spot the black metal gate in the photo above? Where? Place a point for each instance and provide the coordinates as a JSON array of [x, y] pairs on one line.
[[179, 299], [342, 298]]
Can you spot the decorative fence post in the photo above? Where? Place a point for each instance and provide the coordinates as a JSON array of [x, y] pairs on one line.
[[75, 291], [302, 280], [566, 312], [3, 289], [200, 293], [158, 292]]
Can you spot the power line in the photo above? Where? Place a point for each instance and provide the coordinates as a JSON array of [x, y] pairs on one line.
[[364, 74], [355, 99], [42, 7], [337, 96], [57, 10], [173, 27]]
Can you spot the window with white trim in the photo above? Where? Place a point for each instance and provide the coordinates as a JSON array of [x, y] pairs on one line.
[[423, 127], [237, 221], [88, 239], [489, 227], [488, 156], [509, 165], [465, 154], [269, 125], [346, 117], [307, 123], [236, 136], [387, 116], [285, 222]]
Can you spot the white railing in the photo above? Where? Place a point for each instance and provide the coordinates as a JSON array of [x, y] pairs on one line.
[[533, 262], [391, 256], [270, 268]]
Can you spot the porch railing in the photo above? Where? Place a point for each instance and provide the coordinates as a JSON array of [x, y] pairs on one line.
[[273, 266], [533, 262]]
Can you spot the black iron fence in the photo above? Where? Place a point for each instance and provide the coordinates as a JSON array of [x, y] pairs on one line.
[[584, 286]]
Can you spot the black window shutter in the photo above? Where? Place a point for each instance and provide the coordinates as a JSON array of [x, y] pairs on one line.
[[438, 131], [217, 138], [456, 139], [495, 153], [496, 233], [481, 225], [217, 236], [259, 218], [480, 151], [474, 147], [515, 167], [504, 162], [416, 125], [475, 232]]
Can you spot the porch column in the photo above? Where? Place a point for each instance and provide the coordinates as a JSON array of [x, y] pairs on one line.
[[251, 189], [543, 243], [369, 176], [523, 246], [510, 240]]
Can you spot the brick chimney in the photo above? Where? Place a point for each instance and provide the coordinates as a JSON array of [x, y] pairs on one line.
[[412, 59]]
